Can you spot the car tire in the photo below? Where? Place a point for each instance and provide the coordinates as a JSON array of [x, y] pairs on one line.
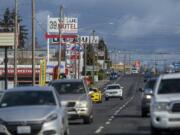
[[88, 119], [106, 98], [155, 131], [121, 98], [144, 113], [66, 132]]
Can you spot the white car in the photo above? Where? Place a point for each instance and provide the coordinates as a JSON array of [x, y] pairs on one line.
[[113, 90], [165, 104]]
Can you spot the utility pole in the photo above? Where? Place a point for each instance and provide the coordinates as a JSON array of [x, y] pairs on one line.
[[93, 56], [60, 36], [85, 58], [104, 58], [124, 63], [15, 43], [33, 44]]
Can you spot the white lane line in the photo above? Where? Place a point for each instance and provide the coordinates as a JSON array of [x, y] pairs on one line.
[[107, 123], [113, 116], [99, 130], [110, 119]]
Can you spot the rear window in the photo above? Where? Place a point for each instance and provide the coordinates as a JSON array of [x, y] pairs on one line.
[[169, 86], [69, 87], [113, 87]]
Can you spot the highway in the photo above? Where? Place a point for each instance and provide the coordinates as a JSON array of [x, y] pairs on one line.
[[117, 117]]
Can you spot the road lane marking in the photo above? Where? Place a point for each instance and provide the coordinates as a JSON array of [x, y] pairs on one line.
[[110, 119], [116, 112], [107, 123], [99, 130]]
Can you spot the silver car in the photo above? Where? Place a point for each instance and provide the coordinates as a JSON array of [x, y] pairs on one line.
[[32, 111], [74, 95]]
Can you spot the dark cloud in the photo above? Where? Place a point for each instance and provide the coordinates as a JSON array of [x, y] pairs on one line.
[[125, 24]]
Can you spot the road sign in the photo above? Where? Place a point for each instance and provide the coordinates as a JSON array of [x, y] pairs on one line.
[[68, 25], [7, 39]]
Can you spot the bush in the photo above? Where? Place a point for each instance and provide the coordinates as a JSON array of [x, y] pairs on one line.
[[102, 75]]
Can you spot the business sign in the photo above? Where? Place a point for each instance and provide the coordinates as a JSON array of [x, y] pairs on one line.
[[42, 75], [138, 64], [6, 39], [68, 25], [89, 39], [20, 71], [101, 53]]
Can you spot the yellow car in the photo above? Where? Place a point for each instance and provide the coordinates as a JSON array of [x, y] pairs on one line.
[[96, 95]]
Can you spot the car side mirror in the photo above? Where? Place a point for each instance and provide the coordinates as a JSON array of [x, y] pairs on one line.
[[122, 87]]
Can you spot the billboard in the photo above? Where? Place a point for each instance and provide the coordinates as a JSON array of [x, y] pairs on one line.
[[68, 25], [6, 39]]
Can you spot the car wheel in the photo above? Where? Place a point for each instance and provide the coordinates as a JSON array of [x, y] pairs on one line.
[[88, 120], [143, 113], [155, 131], [106, 98], [66, 132], [121, 98]]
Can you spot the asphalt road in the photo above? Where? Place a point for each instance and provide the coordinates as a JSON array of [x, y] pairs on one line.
[[117, 117]]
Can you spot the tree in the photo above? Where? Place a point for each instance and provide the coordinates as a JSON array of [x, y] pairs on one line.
[[7, 25], [90, 53]]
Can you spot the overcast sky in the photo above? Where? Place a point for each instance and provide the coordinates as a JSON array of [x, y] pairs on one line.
[[147, 25]]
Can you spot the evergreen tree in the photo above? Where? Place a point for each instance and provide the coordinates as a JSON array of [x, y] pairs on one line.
[[7, 25]]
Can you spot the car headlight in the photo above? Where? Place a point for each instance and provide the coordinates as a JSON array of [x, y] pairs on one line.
[[51, 117], [161, 106], [148, 96], [82, 104]]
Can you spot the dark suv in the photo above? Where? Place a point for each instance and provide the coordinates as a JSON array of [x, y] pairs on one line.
[[147, 92]]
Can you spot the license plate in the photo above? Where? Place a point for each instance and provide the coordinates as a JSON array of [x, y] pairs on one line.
[[23, 129]]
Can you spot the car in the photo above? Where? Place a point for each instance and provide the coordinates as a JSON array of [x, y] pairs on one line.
[[165, 104], [1, 93], [74, 95], [32, 110], [134, 70], [147, 92], [96, 94], [113, 90], [113, 76]]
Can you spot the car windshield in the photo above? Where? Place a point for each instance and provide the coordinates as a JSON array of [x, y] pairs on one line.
[[27, 98], [150, 84], [113, 87], [169, 86], [69, 87]]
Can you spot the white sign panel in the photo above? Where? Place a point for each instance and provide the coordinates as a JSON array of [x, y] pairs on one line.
[[67, 25], [90, 39], [6, 39]]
